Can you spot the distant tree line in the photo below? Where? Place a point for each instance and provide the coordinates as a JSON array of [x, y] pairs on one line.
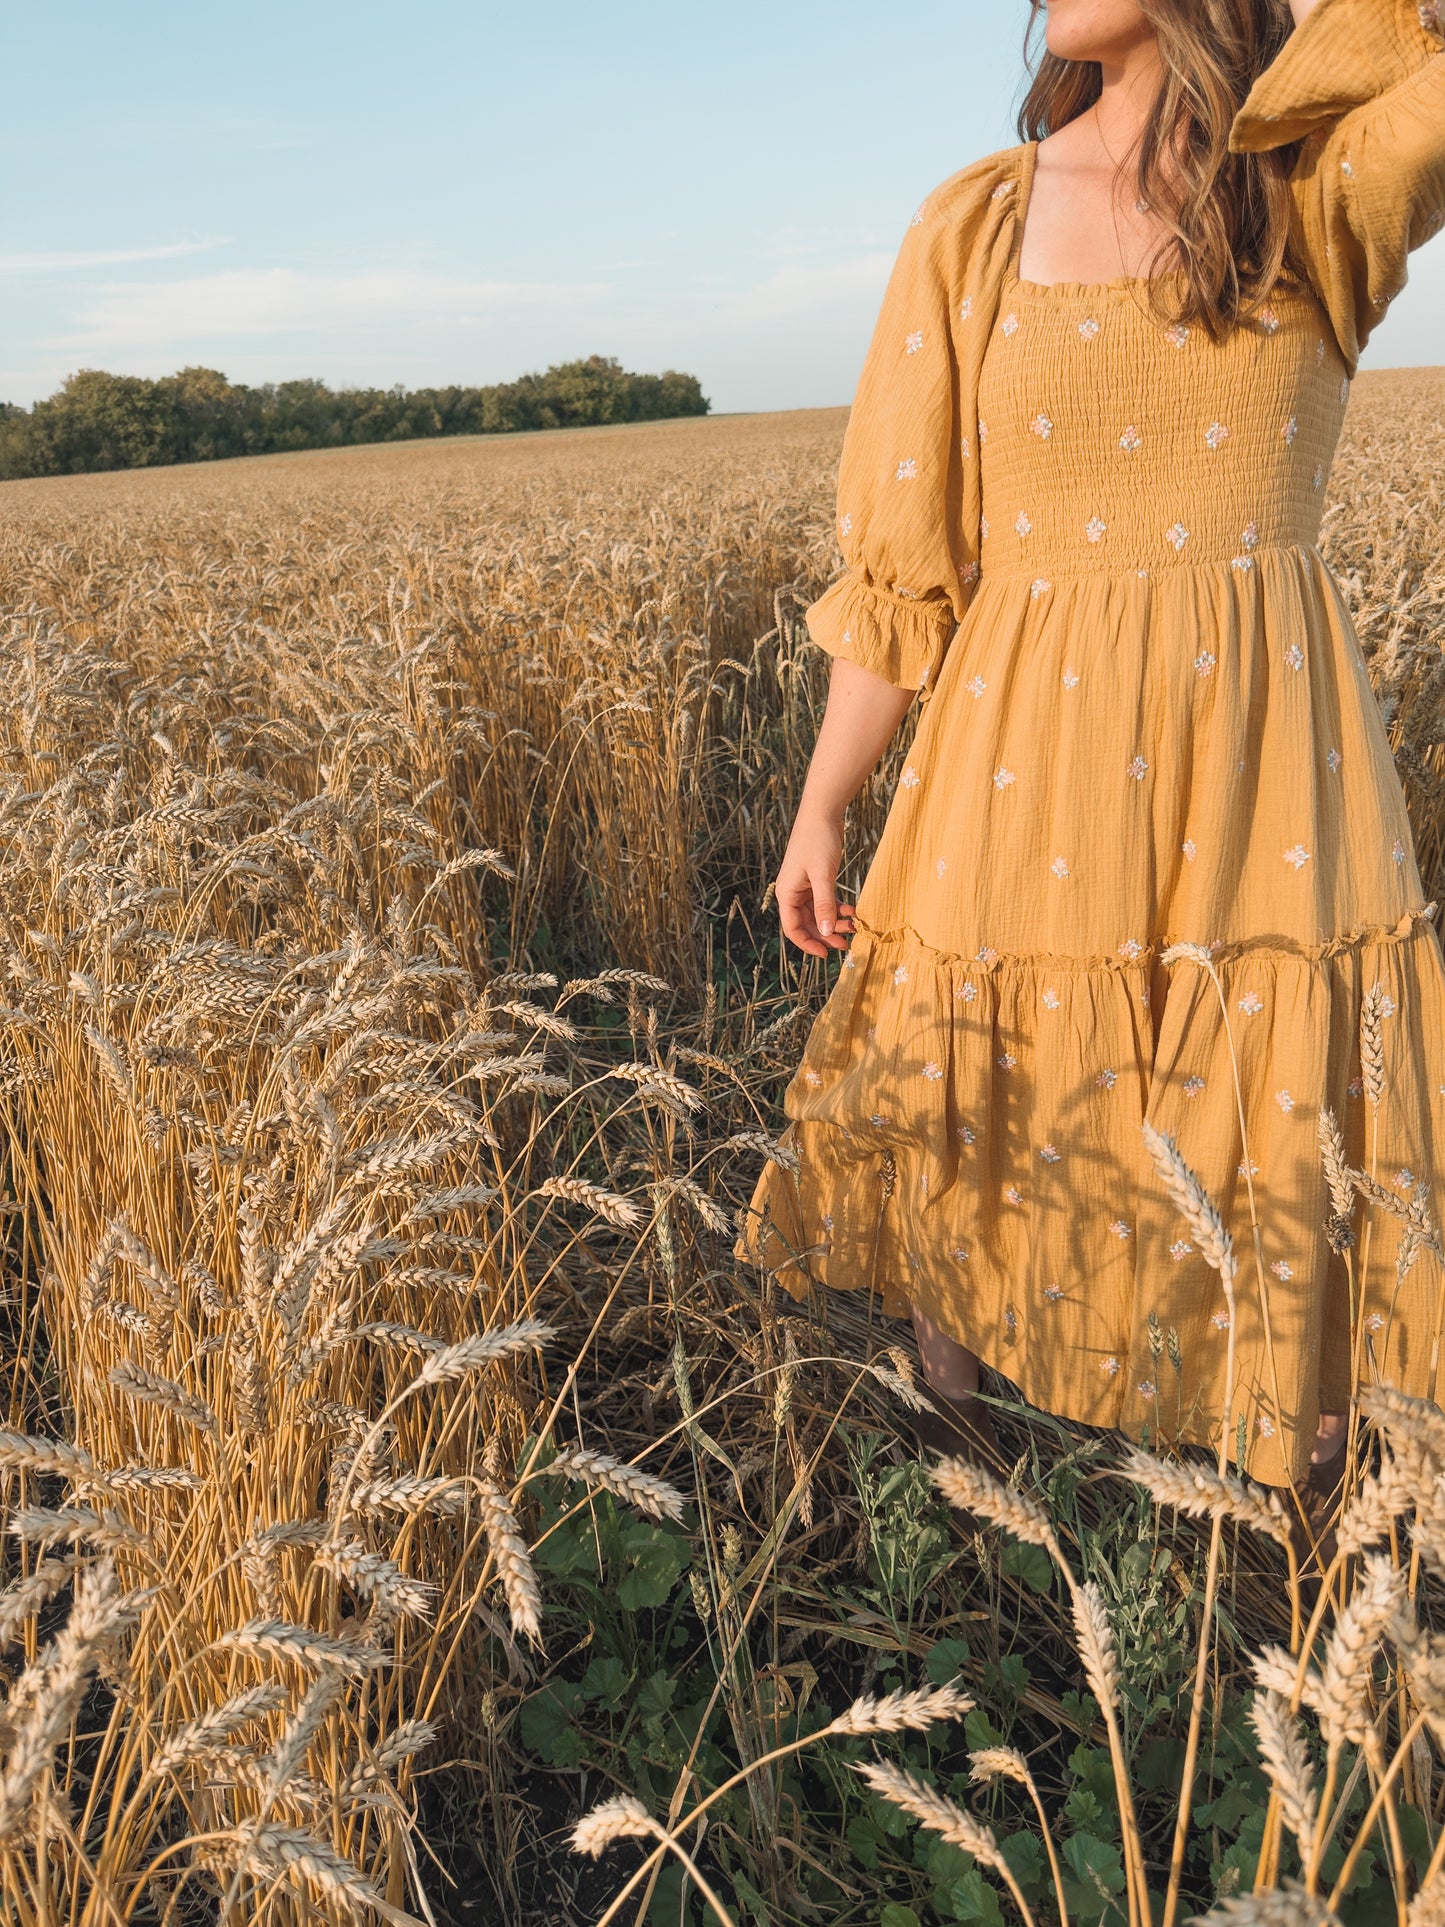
[[101, 421]]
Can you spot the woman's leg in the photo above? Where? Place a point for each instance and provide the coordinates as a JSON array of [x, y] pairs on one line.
[[1330, 1438], [948, 1367]]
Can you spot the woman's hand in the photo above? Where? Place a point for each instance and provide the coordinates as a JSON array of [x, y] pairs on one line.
[[806, 886]]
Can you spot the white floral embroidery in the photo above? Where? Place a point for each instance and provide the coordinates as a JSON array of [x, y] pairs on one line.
[[1398, 852], [878, 1117], [1002, 777], [965, 312], [1023, 524], [1013, 1194], [1216, 435], [1291, 429], [1004, 187], [968, 572], [910, 778], [1137, 769], [1050, 1000], [1204, 662], [983, 528], [1177, 335], [986, 954], [1266, 1425], [1130, 440], [917, 220], [1334, 759], [1320, 352], [1346, 167], [964, 450], [907, 470], [872, 1033], [932, 1071], [1220, 1319], [912, 343], [1374, 1321], [976, 687], [1010, 324], [1109, 1365], [828, 1221], [1108, 1078], [1387, 1004], [1039, 586], [940, 866], [1095, 528], [1297, 857], [1319, 476], [1251, 1003], [1294, 656], [1250, 537], [1060, 866], [1120, 1229], [1178, 535], [1344, 391], [848, 960], [1282, 1268], [1356, 1088], [1089, 329], [1180, 1248], [957, 1251], [900, 975], [845, 525], [1130, 948], [1049, 1153], [982, 431], [812, 1077], [1190, 849], [968, 992], [1404, 1179], [1042, 427], [1070, 679], [1193, 1086], [1284, 1100], [1053, 1293], [1244, 563], [1147, 1388], [1269, 321], [1006, 1060], [1253, 1171]]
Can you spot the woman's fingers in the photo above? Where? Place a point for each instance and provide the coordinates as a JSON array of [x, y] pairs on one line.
[[814, 919]]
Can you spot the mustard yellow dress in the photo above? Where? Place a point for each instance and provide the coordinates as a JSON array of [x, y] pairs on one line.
[[1089, 539]]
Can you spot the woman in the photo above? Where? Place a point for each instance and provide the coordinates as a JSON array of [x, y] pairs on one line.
[[1078, 502]]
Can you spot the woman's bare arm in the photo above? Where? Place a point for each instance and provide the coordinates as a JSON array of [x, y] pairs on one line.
[[860, 721], [1301, 9]]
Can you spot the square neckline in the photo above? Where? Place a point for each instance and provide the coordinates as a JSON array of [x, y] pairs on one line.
[[1023, 201]]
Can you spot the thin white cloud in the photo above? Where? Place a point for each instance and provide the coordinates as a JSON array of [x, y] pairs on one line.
[[809, 287], [59, 263], [282, 301]]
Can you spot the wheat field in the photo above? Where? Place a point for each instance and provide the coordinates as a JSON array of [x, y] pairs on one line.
[[411, 1510]]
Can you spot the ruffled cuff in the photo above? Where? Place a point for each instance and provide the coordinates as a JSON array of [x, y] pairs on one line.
[[1345, 53], [902, 641]]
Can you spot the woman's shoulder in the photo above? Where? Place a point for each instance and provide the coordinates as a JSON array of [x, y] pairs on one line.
[[958, 206]]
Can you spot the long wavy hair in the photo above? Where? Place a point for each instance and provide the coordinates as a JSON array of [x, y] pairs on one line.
[[1227, 215]]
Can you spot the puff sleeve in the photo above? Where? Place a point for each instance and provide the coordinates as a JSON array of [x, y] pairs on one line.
[[901, 520], [1362, 84]]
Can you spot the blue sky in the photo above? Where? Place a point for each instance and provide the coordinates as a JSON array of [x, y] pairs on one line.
[[438, 192]]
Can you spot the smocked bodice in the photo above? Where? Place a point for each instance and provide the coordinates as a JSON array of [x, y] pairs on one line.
[[1112, 443]]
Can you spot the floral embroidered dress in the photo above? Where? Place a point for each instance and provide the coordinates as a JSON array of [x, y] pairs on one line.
[[1089, 540]]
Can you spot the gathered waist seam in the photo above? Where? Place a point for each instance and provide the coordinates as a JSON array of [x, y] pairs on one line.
[[1044, 575]]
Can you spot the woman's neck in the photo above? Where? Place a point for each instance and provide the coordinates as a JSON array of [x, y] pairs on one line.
[[1130, 88]]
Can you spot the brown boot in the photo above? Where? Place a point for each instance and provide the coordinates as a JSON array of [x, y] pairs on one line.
[[1313, 1536]]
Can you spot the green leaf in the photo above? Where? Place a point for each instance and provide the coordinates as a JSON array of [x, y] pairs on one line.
[[546, 1724], [975, 1898], [1098, 1875], [1029, 1563], [655, 1696], [1025, 1857], [668, 1908], [747, 1893], [946, 1660], [1414, 1834], [864, 1839], [895, 1914], [606, 1680], [655, 1561]]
